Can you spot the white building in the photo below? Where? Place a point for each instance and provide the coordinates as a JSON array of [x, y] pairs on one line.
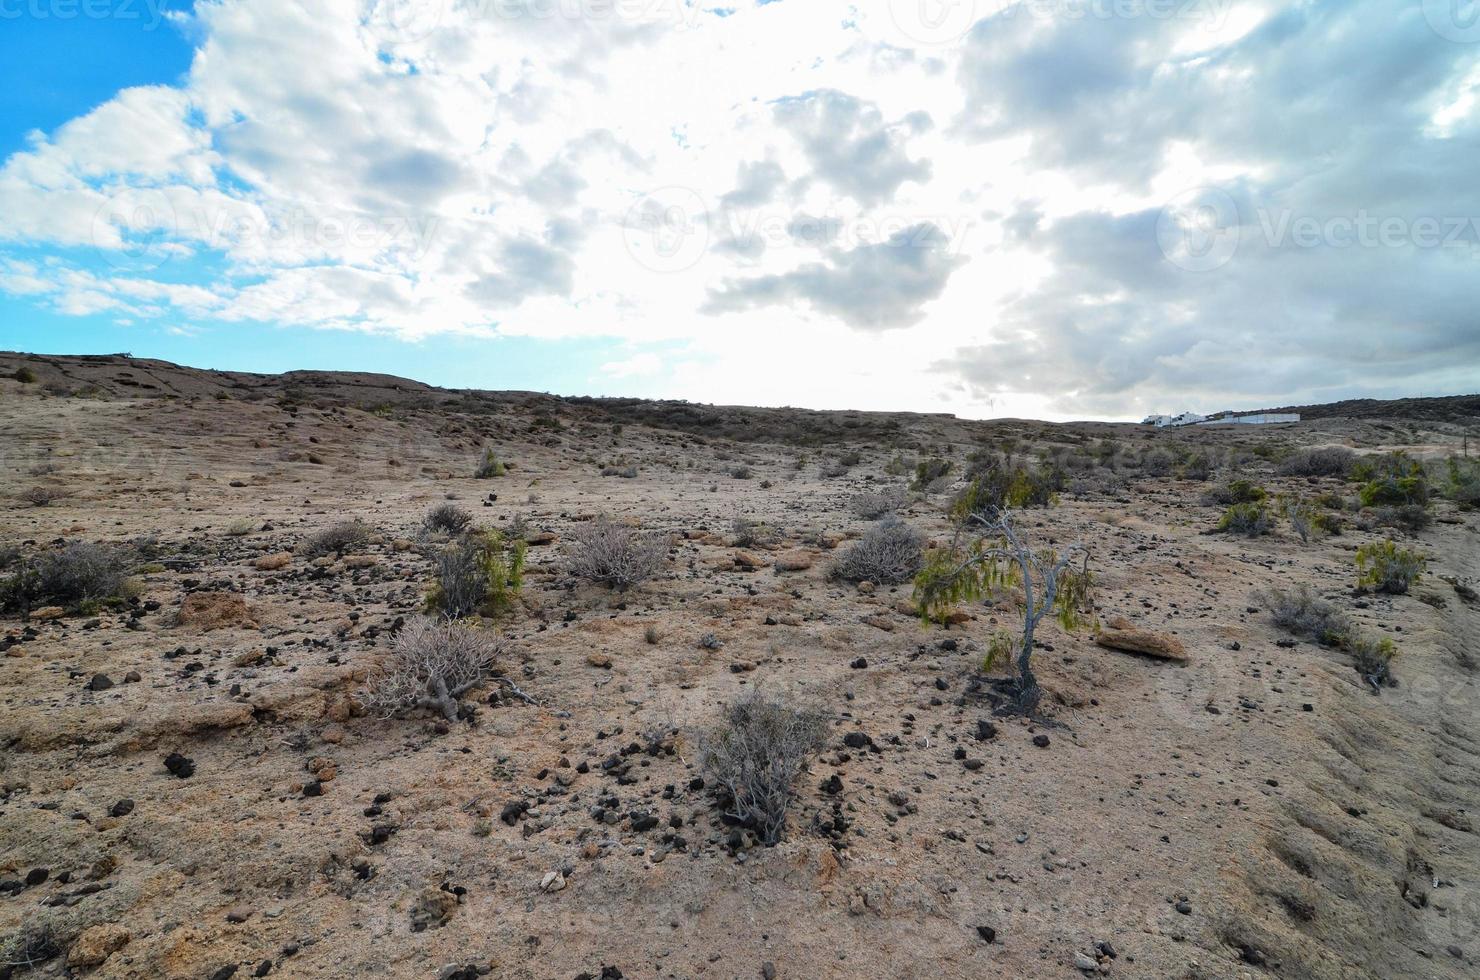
[[1266, 418], [1163, 421]]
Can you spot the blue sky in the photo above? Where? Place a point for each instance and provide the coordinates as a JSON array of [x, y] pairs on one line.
[[1060, 209]]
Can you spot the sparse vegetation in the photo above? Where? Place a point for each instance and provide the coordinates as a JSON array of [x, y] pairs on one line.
[[1003, 483], [25, 376], [890, 552], [1462, 482], [78, 573], [1248, 519], [1308, 518], [447, 518], [1301, 612], [432, 664], [1391, 479], [1051, 582], [1235, 492], [931, 474], [44, 496], [874, 504], [1329, 461], [28, 948], [337, 540], [612, 554], [1373, 658], [752, 534], [482, 572], [756, 755], [490, 467], [1384, 567]]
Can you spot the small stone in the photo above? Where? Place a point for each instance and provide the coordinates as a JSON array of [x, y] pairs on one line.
[[1041, 741], [121, 809], [1184, 907], [602, 660], [1085, 962], [988, 934], [553, 881], [99, 682], [239, 913], [179, 766]]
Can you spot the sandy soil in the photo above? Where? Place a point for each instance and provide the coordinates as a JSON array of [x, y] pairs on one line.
[[1255, 812]]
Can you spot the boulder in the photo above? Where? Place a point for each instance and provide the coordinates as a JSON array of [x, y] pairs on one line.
[[1121, 634], [96, 944]]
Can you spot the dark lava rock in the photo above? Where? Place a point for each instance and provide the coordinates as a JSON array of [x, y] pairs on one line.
[[988, 934], [1041, 741], [857, 740], [121, 809], [99, 682], [181, 768]]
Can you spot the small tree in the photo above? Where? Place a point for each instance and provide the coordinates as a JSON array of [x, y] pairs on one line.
[[491, 466], [432, 664], [1052, 582]]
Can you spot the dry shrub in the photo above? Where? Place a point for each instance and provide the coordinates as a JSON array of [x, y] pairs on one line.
[[45, 496], [432, 664], [612, 554], [890, 552], [1302, 612], [78, 573], [448, 519], [757, 753], [875, 504], [1331, 461], [336, 540]]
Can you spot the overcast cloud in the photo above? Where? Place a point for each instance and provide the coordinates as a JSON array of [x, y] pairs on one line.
[[1063, 208]]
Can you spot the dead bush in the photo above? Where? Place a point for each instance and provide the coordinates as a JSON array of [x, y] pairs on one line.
[[447, 518], [756, 755], [754, 534], [432, 664], [336, 540], [875, 504], [615, 555], [1331, 461], [890, 552], [1301, 612], [45, 496]]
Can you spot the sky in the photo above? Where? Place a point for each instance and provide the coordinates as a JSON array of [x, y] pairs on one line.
[[1057, 209]]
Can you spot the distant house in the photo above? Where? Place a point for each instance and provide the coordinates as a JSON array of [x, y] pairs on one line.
[[1163, 421]]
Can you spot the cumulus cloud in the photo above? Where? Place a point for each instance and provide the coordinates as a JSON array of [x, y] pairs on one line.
[[879, 286], [1033, 216]]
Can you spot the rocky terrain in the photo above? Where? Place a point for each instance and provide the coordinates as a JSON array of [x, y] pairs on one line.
[[190, 787]]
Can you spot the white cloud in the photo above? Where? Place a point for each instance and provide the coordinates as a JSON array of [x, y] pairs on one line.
[[654, 172]]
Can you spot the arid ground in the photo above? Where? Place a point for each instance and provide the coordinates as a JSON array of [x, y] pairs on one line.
[[1258, 809]]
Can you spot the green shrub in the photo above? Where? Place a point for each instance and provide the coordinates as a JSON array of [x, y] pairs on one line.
[[929, 473], [25, 376], [1390, 479], [1001, 482], [483, 572], [1462, 482], [1235, 492], [1373, 658], [1250, 519], [1308, 518], [1331, 461], [490, 467], [1384, 567]]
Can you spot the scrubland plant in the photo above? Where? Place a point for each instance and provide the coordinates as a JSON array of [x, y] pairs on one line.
[[447, 518], [1004, 483], [1329, 461], [757, 753], [752, 534], [80, 574], [615, 555], [432, 664], [889, 552], [1462, 482], [1384, 567], [336, 540], [1301, 612], [1390, 479], [1308, 518], [1248, 519], [931, 474], [490, 467], [1235, 492], [874, 504], [483, 571], [1001, 559]]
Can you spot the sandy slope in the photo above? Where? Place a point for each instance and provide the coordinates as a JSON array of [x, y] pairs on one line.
[[1310, 828]]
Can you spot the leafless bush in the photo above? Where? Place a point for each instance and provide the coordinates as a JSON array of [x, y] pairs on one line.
[[757, 753], [447, 518], [79, 572], [889, 553], [751, 534], [611, 554], [1331, 461], [1302, 612], [875, 504], [336, 540], [432, 664], [28, 948], [45, 496]]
